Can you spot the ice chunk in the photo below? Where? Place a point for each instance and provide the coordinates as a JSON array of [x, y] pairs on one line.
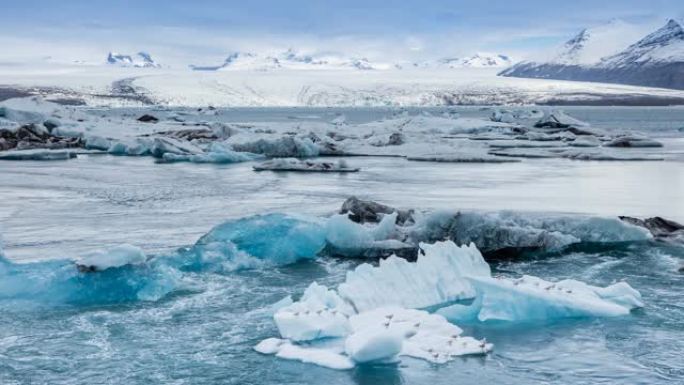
[[285, 147], [21, 117], [633, 141], [434, 280], [320, 313], [67, 132], [137, 147], [446, 274], [348, 238], [534, 299], [559, 119], [586, 141], [164, 145], [37, 155], [277, 238], [217, 153], [382, 336], [327, 357], [512, 232], [93, 142], [425, 336], [502, 116], [374, 344], [292, 164], [115, 257]]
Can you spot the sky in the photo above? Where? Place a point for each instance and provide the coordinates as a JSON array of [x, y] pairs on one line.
[[205, 31]]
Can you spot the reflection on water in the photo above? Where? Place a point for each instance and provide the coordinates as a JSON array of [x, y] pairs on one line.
[[377, 374]]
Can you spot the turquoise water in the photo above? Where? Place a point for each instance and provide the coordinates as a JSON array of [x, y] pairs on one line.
[[183, 319], [203, 329]]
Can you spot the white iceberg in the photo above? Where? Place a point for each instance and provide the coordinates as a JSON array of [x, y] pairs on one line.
[[534, 299], [381, 313], [380, 335], [436, 278], [320, 313]]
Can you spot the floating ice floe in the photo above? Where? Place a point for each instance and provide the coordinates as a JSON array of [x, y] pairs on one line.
[[632, 141], [609, 156], [136, 147], [274, 238], [509, 233], [347, 238], [382, 313], [37, 155], [597, 154], [585, 141], [164, 145], [216, 153], [498, 235], [559, 119], [462, 158], [292, 164], [94, 142], [284, 147]]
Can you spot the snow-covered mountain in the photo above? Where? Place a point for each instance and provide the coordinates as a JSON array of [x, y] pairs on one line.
[[666, 45], [656, 60], [289, 59], [479, 60], [292, 59], [139, 60], [592, 44]]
